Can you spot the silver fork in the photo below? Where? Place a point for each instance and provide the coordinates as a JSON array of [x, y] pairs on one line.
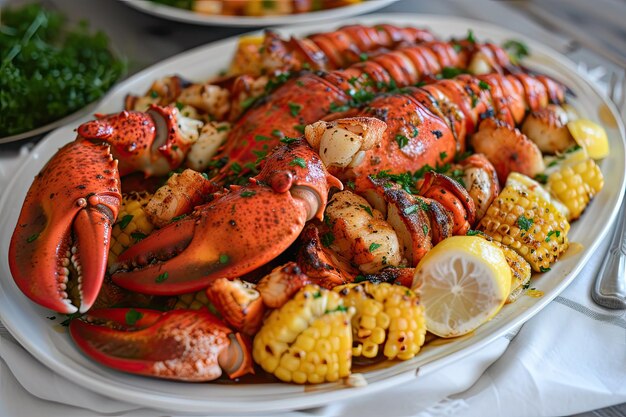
[[610, 286]]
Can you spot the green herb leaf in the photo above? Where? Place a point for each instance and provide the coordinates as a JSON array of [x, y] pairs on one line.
[[327, 239], [524, 223], [294, 109], [483, 85], [402, 141], [161, 278], [363, 57], [551, 233], [288, 140], [125, 221], [299, 128], [470, 36], [473, 232], [277, 133], [224, 258], [32, 238], [261, 138], [138, 236], [542, 269], [298, 161], [516, 50], [247, 193], [367, 209], [542, 178], [133, 316], [374, 246]]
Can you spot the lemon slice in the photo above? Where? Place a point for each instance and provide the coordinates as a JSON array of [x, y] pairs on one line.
[[463, 282], [590, 136]]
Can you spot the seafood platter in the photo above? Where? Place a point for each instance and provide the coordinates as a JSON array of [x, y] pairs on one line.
[[297, 216]]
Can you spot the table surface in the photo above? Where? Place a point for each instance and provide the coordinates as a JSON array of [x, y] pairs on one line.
[[145, 39]]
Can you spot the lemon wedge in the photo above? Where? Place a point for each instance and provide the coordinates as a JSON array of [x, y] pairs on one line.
[[463, 282], [590, 136]]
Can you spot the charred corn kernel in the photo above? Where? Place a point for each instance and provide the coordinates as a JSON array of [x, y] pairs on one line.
[[574, 179], [520, 269], [132, 224], [193, 301], [388, 317], [308, 339], [524, 218]]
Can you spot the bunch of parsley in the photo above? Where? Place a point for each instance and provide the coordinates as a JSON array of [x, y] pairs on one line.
[[48, 71]]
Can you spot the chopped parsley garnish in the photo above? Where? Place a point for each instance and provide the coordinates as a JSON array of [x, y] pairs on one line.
[[223, 128], [374, 246], [542, 178], [125, 221], [288, 140], [262, 138], [138, 236], [524, 223], [161, 278], [470, 36], [32, 238], [350, 184], [133, 316], [557, 233], [177, 218], [443, 155], [70, 317], [327, 239], [294, 109], [367, 209], [542, 269], [473, 232], [224, 258], [402, 141], [411, 209], [483, 85], [235, 167], [299, 128], [360, 278], [336, 108], [451, 72], [248, 102], [363, 56], [516, 50], [425, 229], [298, 161], [248, 193], [317, 294], [277, 133], [341, 309], [154, 94]]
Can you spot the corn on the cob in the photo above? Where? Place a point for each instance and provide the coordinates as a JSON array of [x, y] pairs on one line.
[[574, 179], [193, 301], [520, 269], [308, 340], [132, 224], [385, 314], [524, 218]]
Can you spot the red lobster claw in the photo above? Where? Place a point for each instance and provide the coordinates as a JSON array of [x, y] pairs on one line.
[[150, 142], [236, 233], [64, 227], [188, 345]]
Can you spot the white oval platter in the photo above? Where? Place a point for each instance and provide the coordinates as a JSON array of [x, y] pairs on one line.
[[28, 322]]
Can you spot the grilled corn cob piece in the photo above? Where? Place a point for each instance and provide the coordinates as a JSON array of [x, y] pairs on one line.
[[520, 269], [132, 224], [574, 179], [524, 218], [193, 301], [385, 314], [308, 340]]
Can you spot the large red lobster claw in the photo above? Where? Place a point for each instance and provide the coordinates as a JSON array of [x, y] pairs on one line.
[[237, 232], [64, 228], [188, 345], [150, 142]]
